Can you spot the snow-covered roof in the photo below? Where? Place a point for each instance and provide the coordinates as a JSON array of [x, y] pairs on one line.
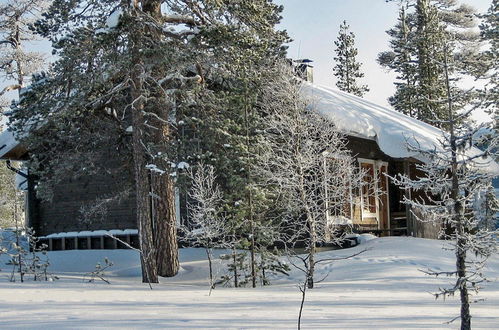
[[392, 130], [355, 116], [7, 142]]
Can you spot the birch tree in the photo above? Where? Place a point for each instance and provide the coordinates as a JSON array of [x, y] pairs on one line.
[[207, 227], [306, 163]]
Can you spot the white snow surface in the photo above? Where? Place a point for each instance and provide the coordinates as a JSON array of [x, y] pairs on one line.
[[183, 165], [154, 168], [113, 232], [392, 130], [113, 19], [8, 140], [381, 288]]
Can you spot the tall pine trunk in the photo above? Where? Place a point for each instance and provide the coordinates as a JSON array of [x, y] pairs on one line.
[[154, 192], [142, 187], [163, 197], [165, 224]]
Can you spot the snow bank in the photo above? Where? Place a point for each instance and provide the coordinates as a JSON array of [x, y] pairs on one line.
[[381, 288], [361, 238], [392, 130]]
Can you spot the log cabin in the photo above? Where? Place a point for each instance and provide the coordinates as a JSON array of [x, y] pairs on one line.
[[376, 136]]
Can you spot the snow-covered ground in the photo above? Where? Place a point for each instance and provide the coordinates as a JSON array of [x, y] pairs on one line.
[[379, 289]]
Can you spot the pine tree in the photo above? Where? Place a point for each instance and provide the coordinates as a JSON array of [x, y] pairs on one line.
[[418, 43], [490, 33], [16, 63], [222, 129], [402, 60], [132, 69], [347, 69]]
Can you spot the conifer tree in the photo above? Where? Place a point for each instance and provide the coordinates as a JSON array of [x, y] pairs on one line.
[[16, 63], [490, 33], [127, 74], [222, 129], [401, 59], [347, 69], [424, 31]]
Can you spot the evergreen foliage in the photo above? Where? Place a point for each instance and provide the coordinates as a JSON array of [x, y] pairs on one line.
[[222, 129], [130, 81], [426, 32], [401, 59], [347, 69], [490, 34]]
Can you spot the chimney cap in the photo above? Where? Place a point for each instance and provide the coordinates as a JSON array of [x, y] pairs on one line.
[[303, 60]]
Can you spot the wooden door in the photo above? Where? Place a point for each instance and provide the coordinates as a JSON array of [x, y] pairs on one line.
[[368, 195], [374, 196], [384, 218]]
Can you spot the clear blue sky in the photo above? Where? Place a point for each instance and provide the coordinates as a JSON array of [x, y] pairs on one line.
[[314, 25]]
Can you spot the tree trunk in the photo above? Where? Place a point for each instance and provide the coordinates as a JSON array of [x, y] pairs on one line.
[[463, 289], [303, 295], [234, 259], [165, 224], [142, 185], [459, 217], [142, 189], [161, 190], [210, 265], [311, 257]]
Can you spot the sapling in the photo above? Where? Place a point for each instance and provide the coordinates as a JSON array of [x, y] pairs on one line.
[[207, 227], [37, 261]]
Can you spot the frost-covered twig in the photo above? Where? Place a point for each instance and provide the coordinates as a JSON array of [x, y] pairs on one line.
[[99, 272]]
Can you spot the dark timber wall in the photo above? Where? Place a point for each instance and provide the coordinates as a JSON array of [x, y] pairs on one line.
[[64, 213]]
